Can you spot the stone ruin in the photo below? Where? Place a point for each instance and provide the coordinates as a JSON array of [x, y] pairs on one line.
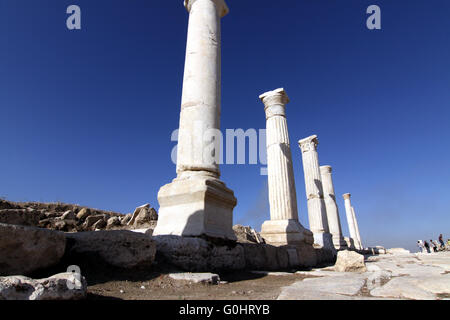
[[193, 230]]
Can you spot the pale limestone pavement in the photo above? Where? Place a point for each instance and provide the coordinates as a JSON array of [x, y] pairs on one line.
[[391, 276]]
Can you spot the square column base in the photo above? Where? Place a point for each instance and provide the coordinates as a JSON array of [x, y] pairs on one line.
[[339, 243], [196, 206], [325, 240], [285, 232]]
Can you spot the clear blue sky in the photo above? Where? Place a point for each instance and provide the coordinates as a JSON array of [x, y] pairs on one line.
[[86, 116]]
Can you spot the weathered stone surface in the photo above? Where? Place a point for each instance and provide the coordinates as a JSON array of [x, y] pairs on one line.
[[197, 255], [26, 249], [350, 261], [118, 248], [26, 217], [340, 288], [402, 287], [124, 221], [100, 224], [52, 288], [147, 217], [265, 257], [68, 215], [83, 213], [377, 279], [245, 234], [397, 251], [205, 277], [91, 220], [136, 212], [307, 256], [112, 222]]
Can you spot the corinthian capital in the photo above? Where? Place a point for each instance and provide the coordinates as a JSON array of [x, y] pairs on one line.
[[308, 144], [275, 102]]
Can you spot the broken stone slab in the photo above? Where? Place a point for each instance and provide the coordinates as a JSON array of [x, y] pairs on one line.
[[118, 248], [125, 219], [83, 213], [112, 222], [245, 234], [68, 215], [199, 255], [349, 261], [377, 279], [204, 277], [136, 213], [62, 286], [26, 249], [338, 288], [91, 220], [403, 288]]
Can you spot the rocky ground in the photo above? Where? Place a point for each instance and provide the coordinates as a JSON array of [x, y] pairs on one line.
[[74, 218]]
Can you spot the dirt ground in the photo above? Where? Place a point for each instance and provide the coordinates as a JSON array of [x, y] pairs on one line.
[[236, 286]]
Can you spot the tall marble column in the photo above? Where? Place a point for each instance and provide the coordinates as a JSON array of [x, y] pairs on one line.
[[318, 222], [334, 222], [196, 202], [358, 235], [350, 221], [283, 228]]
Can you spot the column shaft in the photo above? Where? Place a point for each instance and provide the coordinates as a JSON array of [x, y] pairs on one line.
[[197, 203], [334, 222], [201, 97], [350, 220], [318, 222], [358, 235], [284, 227]]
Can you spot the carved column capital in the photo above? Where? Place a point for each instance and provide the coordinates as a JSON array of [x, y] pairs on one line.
[[308, 144]]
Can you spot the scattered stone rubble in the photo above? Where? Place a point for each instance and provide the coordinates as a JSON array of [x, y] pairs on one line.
[[73, 218], [53, 288]]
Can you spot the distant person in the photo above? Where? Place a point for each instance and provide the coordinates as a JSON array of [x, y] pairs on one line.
[[421, 246], [427, 246], [441, 241], [437, 245], [433, 246]]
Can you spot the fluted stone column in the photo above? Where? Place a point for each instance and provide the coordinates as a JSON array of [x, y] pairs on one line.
[[196, 202], [358, 235], [351, 221], [334, 222], [283, 228], [318, 222]]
